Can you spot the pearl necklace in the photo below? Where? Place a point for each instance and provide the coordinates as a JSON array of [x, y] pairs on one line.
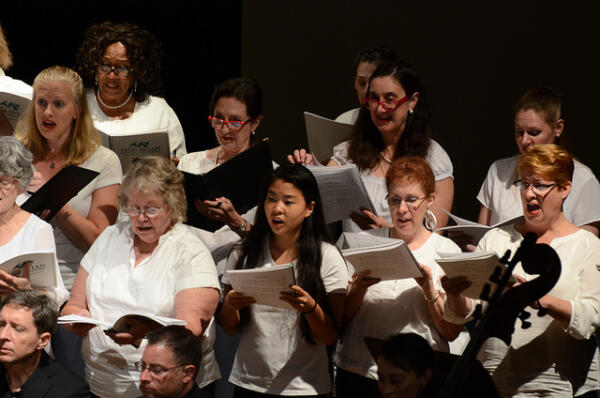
[[110, 106]]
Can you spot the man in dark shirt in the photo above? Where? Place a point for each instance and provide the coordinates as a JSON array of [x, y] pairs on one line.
[[170, 364], [27, 319]]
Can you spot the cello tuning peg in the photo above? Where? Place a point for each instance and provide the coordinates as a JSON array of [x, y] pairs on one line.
[[495, 277], [525, 324], [524, 315], [485, 292], [541, 310], [477, 312]]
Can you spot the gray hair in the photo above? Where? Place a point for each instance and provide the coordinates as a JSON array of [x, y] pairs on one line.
[[160, 175], [45, 315], [15, 161]]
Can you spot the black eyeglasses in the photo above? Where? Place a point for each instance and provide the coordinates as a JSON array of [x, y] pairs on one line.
[[155, 370], [119, 71]]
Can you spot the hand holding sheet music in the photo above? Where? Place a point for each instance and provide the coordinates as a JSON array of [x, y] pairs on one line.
[[264, 284], [387, 259], [342, 191]]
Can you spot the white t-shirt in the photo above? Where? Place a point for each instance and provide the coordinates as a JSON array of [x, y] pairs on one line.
[[35, 236], [392, 307], [348, 117], [437, 158], [152, 114], [545, 360], [222, 240], [105, 162], [499, 194], [273, 357], [115, 287]]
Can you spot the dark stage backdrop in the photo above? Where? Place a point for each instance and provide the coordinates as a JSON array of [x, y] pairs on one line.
[[201, 42], [474, 58]]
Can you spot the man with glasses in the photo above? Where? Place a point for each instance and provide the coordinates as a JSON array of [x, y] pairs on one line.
[[170, 364]]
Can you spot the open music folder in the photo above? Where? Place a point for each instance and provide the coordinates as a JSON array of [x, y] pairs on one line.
[[58, 190], [129, 147], [322, 134], [240, 179]]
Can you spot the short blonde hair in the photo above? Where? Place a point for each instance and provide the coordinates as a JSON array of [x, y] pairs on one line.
[[160, 175], [548, 161], [84, 138], [5, 55]]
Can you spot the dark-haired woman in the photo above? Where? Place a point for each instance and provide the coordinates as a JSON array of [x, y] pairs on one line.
[[120, 63], [282, 351], [393, 123], [365, 64], [235, 114]]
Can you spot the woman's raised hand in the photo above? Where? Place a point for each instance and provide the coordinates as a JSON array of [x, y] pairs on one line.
[[368, 220], [300, 156]]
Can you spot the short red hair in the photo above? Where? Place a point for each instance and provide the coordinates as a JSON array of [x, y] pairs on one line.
[[411, 169]]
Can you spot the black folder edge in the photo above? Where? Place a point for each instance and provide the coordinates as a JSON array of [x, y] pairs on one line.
[[196, 184], [58, 190]]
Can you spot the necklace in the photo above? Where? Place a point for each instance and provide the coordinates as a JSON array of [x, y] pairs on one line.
[[387, 160], [110, 106], [217, 157]]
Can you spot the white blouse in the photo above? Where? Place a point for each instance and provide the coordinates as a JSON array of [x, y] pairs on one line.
[[272, 356], [35, 236], [546, 360], [437, 158], [116, 287], [391, 307], [152, 114]]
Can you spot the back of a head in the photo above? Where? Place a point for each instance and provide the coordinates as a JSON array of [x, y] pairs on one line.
[[183, 343], [44, 309], [408, 351], [375, 55]]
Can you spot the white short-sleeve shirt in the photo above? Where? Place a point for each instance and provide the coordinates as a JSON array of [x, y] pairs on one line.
[[35, 236], [272, 356], [545, 360], [437, 158], [392, 307], [499, 194], [152, 114], [115, 287]]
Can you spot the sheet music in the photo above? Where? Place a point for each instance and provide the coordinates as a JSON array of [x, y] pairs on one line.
[[322, 134], [342, 191], [389, 261], [264, 284]]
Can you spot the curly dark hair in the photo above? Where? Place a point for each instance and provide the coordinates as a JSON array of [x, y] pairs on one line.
[[144, 51], [366, 142]]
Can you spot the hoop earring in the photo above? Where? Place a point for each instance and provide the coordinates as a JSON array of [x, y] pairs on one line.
[[430, 220]]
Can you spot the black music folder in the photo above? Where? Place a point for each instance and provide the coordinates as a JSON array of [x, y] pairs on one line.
[[240, 179], [58, 190]]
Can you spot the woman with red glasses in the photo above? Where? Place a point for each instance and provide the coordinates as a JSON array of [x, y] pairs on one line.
[[235, 113], [394, 122]]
